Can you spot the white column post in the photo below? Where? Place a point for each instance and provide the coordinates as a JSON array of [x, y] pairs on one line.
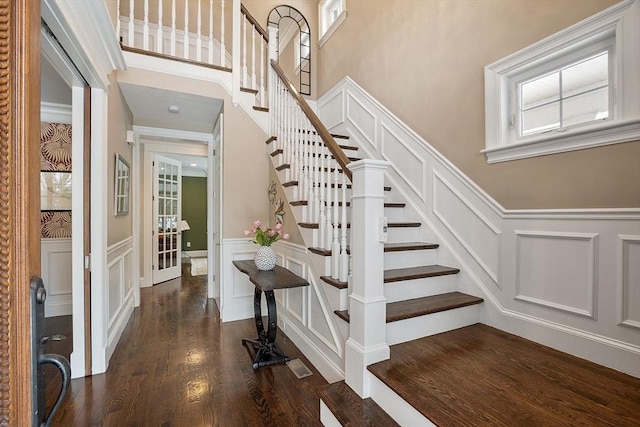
[[367, 341], [159, 31], [145, 27]]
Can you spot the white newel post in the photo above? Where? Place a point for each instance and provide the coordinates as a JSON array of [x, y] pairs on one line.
[[367, 341]]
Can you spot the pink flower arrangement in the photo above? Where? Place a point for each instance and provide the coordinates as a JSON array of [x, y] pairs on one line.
[[264, 236]]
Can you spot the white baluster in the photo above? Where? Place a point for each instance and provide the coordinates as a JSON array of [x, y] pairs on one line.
[[262, 67], [199, 34], [159, 32], [344, 258], [118, 24], [322, 223], [210, 46], [286, 155], [185, 37], [131, 26], [294, 147], [307, 173], [316, 188], [335, 247], [245, 75], [223, 49], [173, 28], [254, 84], [145, 26], [329, 228]]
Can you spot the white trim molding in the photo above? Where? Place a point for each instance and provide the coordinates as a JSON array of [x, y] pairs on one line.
[[55, 113], [620, 22]]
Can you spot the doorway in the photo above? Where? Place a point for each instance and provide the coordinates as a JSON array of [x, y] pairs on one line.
[[167, 217]]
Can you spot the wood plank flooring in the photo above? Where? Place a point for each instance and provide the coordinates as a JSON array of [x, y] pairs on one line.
[[480, 376], [178, 365]]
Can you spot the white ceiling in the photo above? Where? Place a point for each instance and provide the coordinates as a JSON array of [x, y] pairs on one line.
[[150, 108]]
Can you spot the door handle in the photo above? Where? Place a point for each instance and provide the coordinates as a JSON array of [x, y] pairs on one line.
[[62, 364]]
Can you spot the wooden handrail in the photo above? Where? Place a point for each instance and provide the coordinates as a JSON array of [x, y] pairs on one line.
[[334, 148], [255, 23]]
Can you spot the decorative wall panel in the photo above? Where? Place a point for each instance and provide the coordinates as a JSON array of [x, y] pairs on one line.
[[557, 270], [629, 273]]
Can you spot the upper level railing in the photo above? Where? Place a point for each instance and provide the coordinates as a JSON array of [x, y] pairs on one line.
[[203, 32]]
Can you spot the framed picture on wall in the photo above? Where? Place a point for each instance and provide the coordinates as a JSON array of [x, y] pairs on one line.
[[121, 188], [55, 191]]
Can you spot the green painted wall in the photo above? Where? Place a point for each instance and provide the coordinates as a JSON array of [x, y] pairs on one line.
[[194, 211]]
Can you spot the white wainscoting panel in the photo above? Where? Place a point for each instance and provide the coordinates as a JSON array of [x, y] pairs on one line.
[[363, 119], [397, 152], [629, 281], [236, 293], [306, 318], [566, 278], [56, 275], [120, 301], [332, 110], [472, 229], [568, 285]]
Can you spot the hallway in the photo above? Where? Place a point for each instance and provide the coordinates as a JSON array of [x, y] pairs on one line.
[[178, 365]]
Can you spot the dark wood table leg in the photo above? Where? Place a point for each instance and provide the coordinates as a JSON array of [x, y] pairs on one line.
[[266, 351]]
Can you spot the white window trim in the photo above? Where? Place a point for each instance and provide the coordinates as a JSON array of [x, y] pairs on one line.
[[622, 20], [328, 32]]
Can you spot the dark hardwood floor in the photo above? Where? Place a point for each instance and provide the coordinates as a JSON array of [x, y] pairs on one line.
[[481, 376], [178, 365]]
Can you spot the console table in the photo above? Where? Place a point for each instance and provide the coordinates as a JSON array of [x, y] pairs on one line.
[[265, 349]]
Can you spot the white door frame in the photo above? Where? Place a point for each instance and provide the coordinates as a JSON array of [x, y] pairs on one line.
[[168, 141]]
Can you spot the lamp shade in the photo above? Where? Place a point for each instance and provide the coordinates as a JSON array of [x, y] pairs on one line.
[[184, 225]]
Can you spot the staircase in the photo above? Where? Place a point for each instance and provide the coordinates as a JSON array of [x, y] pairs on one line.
[[421, 295]]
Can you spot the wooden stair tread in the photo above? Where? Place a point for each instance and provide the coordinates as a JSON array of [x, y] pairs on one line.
[[409, 246], [479, 375], [407, 309], [428, 305], [400, 274], [265, 109], [334, 282], [388, 247], [249, 90], [352, 411], [390, 225], [294, 183], [343, 146], [386, 205]]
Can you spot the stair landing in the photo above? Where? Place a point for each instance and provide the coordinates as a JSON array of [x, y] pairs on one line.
[[478, 375]]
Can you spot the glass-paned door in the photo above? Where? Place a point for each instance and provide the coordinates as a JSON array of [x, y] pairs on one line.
[[167, 208]]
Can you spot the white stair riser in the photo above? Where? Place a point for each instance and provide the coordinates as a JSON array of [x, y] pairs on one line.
[[326, 416], [418, 288], [338, 299], [431, 324], [394, 214], [405, 259], [398, 408], [403, 234]]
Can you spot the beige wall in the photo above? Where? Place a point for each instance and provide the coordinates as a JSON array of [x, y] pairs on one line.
[[260, 9], [245, 160], [119, 120], [424, 60]]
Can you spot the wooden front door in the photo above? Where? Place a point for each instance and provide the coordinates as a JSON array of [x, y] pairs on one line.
[[19, 200]]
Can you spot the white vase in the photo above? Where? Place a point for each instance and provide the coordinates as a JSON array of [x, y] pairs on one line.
[[265, 258]]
